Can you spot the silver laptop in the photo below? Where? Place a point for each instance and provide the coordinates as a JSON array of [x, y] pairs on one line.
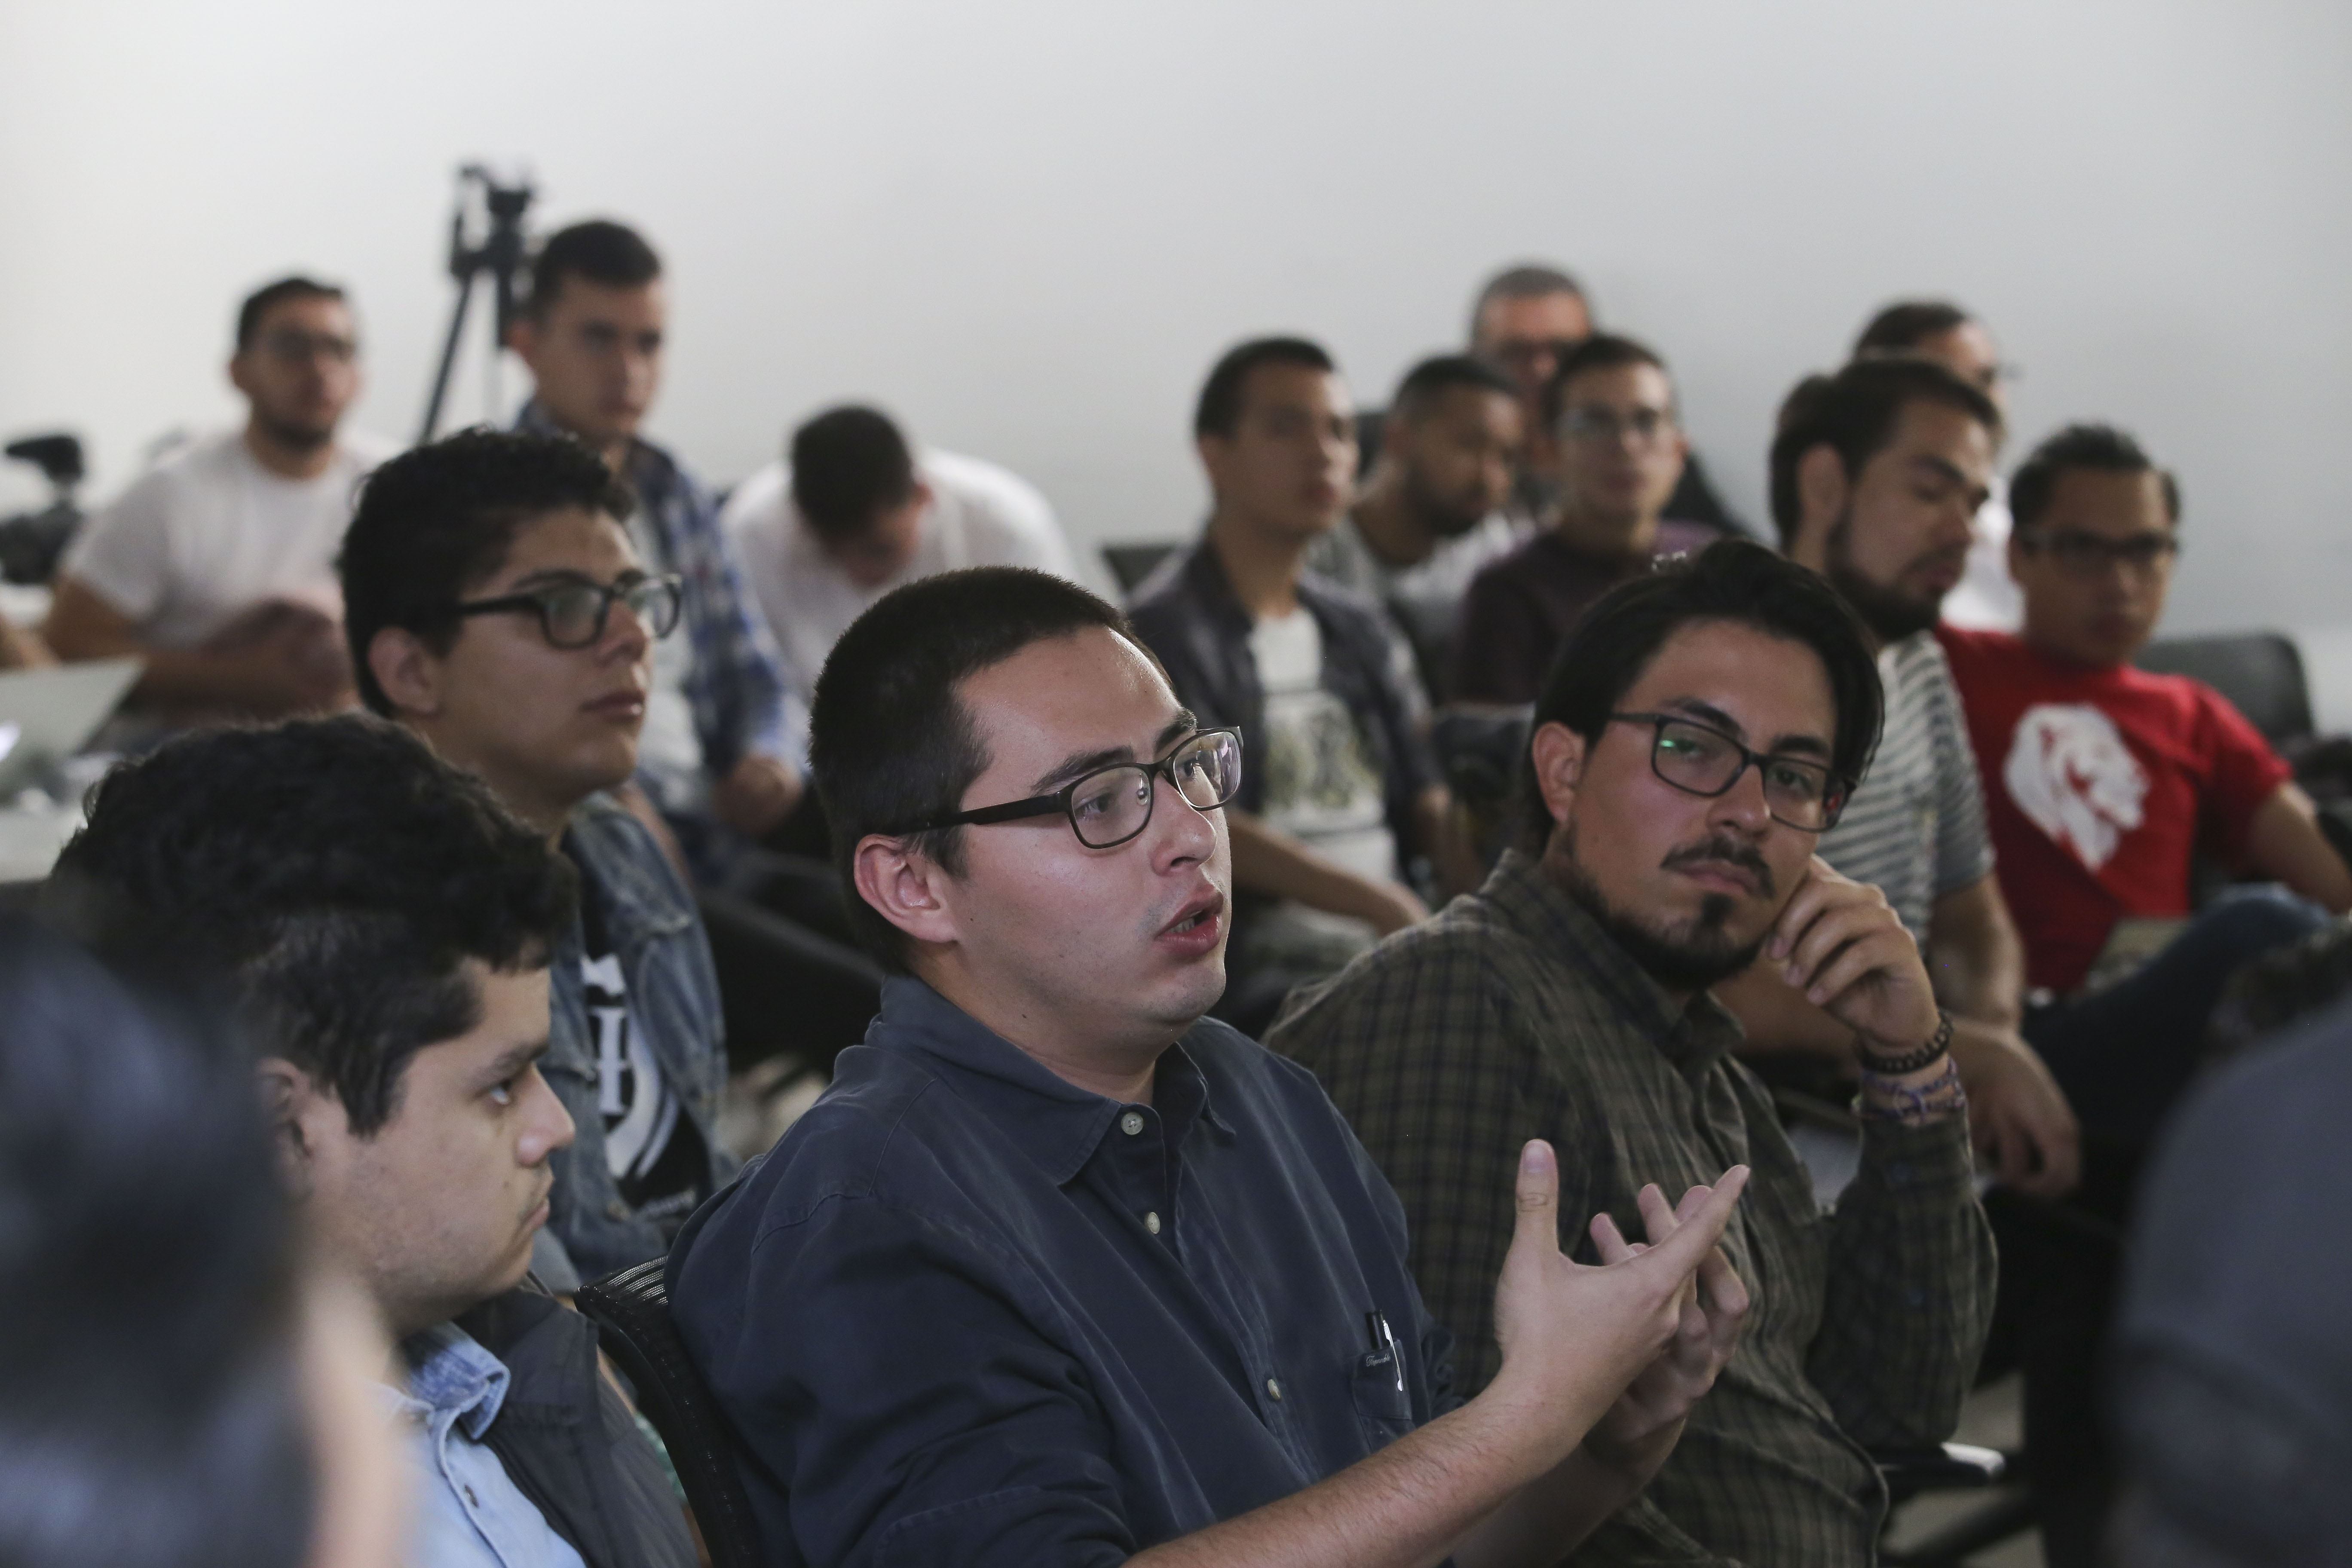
[[47, 715]]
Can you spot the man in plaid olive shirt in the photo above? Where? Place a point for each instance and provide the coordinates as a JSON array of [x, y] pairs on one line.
[[1702, 727]]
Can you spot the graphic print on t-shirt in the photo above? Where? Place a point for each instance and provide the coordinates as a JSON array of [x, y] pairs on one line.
[[2072, 775], [652, 1149], [1322, 786]]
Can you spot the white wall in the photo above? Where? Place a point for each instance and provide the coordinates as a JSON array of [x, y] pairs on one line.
[[1029, 226]]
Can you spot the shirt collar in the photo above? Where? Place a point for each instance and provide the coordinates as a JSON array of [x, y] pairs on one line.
[[1060, 1124], [450, 1373], [651, 472], [1693, 1037]]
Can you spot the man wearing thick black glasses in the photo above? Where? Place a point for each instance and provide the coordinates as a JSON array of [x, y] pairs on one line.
[[1060, 1271], [1702, 727], [496, 607]]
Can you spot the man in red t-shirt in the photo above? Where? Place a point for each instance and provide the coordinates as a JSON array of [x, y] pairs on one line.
[[2101, 781]]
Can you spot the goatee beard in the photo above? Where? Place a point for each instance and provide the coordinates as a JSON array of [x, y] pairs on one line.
[[1889, 616], [1690, 961], [303, 438]]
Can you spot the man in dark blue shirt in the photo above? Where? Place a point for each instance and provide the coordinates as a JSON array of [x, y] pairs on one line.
[[1059, 1273]]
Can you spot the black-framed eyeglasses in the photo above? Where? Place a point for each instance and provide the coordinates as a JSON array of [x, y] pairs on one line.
[[573, 614], [1699, 758], [2082, 555], [1110, 805], [1645, 426]]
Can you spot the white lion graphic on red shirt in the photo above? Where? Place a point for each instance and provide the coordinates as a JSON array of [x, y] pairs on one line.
[[2071, 773]]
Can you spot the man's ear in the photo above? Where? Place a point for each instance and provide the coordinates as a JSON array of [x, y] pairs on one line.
[[1822, 496], [291, 1105], [236, 376], [905, 888], [523, 337], [409, 672], [1559, 755]]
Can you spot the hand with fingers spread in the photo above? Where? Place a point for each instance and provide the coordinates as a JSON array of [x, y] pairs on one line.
[[1641, 1427], [1574, 1336], [1841, 944]]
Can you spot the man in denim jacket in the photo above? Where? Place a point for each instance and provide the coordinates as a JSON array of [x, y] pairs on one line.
[[498, 608]]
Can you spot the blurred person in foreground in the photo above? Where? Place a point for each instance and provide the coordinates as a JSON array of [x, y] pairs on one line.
[[383, 929], [1431, 512], [1700, 732], [1343, 814], [176, 1389], [216, 566], [1061, 1272], [2231, 1386], [1986, 597], [1617, 449]]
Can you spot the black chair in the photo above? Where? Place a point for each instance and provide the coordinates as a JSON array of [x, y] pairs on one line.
[[2259, 672], [631, 1312], [1478, 750], [1131, 564]]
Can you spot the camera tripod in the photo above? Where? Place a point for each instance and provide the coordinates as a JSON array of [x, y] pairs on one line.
[[500, 255]]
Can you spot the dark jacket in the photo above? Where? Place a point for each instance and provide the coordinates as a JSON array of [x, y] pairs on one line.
[[570, 1445], [1187, 615]]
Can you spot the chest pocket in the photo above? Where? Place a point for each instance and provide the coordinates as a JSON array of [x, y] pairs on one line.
[[1381, 1402]]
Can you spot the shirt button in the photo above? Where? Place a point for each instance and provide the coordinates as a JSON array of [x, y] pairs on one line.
[[471, 1501], [1131, 1124], [1273, 1391], [1151, 1222], [617, 1210]]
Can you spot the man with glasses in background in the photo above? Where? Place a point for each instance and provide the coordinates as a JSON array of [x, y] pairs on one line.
[[216, 566], [2103, 782], [1702, 730], [1061, 1271], [1618, 453], [497, 606], [1525, 321]]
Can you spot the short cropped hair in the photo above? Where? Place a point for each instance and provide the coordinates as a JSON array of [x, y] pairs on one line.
[[151, 1410], [436, 519], [850, 465], [1903, 326], [1528, 280], [604, 252], [269, 296], [1219, 412], [336, 872], [1855, 412], [1602, 350], [1433, 377], [890, 743], [2100, 447], [1737, 581]]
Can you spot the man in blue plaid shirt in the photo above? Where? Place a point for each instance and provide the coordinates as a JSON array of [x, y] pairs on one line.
[[718, 751]]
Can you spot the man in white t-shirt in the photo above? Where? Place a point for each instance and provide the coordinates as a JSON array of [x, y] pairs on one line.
[[1342, 794], [217, 565], [1432, 512], [854, 512]]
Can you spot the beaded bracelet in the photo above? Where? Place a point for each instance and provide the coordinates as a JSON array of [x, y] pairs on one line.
[[1925, 1056], [1941, 1097]]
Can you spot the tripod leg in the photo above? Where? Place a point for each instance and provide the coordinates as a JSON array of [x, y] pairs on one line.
[[448, 359]]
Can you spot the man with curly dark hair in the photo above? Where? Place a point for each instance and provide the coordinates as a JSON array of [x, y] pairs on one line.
[[383, 929]]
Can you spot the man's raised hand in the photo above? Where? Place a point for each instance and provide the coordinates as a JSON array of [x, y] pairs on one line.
[[1574, 1336], [1644, 1423]]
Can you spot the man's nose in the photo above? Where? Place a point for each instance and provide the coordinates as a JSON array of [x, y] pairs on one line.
[[1180, 831], [550, 1127], [1743, 805]]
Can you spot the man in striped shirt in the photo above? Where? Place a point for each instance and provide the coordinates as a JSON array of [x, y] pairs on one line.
[[1877, 473]]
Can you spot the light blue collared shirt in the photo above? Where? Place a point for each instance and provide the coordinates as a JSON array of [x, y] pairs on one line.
[[469, 1513]]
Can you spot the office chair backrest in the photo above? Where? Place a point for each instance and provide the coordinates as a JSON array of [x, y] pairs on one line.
[[631, 1312], [2261, 672]]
